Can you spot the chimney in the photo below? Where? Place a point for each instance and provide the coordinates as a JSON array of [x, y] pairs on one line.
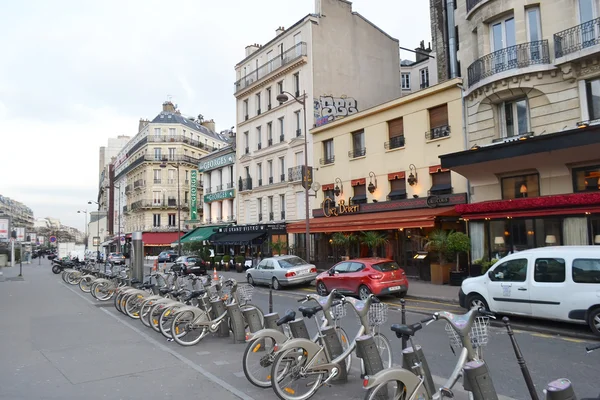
[[144, 122], [421, 52], [279, 31], [251, 49], [210, 125], [168, 107]]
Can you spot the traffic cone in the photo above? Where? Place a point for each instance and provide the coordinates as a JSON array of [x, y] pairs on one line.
[[215, 276], [155, 266], [164, 266]]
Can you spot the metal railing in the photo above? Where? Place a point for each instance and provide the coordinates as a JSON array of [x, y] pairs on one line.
[[219, 188], [283, 215], [124, 209], [128, 188], [157, 181], [139, 184], [245, 184], [577, 38], [260, 217], [270, 216], [327, 160], [153, 158], [424, 85], [281, 138], [270, 180], [208, 190], [259, 146], [298, 132], [136, 205], [518, 56], [295, 173], [472, 3], [260, 182], [178, 139], [438, 132], [395, 143], [270, 142], [282, 177], [357, 153], [229, 185], [289, 56], [247, 150]]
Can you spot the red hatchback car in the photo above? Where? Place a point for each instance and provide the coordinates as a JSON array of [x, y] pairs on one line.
[[364, 276]]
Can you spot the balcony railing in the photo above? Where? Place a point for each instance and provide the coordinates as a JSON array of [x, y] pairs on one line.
[[327, 160], [128, 188], [357, 153], [281, 138], [179, 139], [157, 181], [438, 132], [259, 146], [282, 177], [230, 185], [283, 215], [298, 132], [395, 143], [260, 217], [295, 173], [219, 188], [208, 190], [286, 58], [270, 180], [518, 56], [260, 182], [270, 142], [270, 216], [245, 184], [247, 150], [124, 209], [472, 3], [577, 38], [139, 184], [424, 85], [137, 205]]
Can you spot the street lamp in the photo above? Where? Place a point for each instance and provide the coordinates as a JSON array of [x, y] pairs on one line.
[[118, 219], [282, 98], [98, 229], [86, 227], [163, 164]]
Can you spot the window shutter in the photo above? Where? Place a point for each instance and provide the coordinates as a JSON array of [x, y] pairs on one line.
[[438, 116], [396, 127], [398, 185], [360, 190]]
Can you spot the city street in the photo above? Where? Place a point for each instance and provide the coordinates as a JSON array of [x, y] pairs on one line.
[[63, 344]]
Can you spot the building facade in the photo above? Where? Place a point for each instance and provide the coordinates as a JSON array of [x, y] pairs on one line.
[[219, 173], [531, 90], [315, 61], [381, 172], [419, 74], [19, 214], [107, 154]]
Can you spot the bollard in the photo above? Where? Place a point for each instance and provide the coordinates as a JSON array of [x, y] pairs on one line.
[[367, 351], [298, 329], [271, 297], [271, 322], [218, 309], [480, 384], [403, 314], [237, 323], [334, 346], [410, 358], [560, 389]]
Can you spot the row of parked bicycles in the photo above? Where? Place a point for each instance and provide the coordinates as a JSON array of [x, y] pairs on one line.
[[280, 354]]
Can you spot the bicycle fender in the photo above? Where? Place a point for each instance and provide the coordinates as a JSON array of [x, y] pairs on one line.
[[309, 346], [101, 280], [89, 276], [279, 337], [195, 310], [410, 380]]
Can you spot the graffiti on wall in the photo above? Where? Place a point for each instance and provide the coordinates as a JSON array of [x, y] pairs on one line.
[[329, 108]]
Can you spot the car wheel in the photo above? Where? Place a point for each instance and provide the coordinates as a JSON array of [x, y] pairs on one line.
[[363, 292], [250, 280], [594, 320], [476, 300], [276, 284], [321, 289]]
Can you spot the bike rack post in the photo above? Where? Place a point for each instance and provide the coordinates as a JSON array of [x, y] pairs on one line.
[[298, 329], [411, 357], [271, 322], [218, 309], [237, 323], [403, 315], [560, 389], [252, 318], [332, 341], [479, 382], [270, 297], [521, 360], [367, 351]]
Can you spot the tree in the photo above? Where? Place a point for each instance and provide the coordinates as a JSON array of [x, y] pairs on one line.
[[193, 247], [278, 247], [438, 242], [343, 240], [458, 243], [373, 240]]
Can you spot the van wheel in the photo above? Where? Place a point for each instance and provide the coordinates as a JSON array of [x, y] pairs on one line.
[[594, 320], [475, 300]]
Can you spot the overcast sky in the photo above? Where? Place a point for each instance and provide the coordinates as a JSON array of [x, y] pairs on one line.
[[74, 73]]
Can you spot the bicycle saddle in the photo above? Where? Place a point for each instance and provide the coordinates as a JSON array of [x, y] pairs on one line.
[[147, 286], [308, 312], [194, 294], [289, 316], [406, 330], [135, 281], [164, 290]]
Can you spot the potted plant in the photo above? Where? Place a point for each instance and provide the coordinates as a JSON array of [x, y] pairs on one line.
[[217, 262], [438, 243], [277, 248], [239, 263], [343, 240], [226, 261], [373, 240], [477, 267], [487, 264], [458, 243]]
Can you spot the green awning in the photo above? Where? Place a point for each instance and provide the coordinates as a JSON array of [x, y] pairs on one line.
[[198, 234]]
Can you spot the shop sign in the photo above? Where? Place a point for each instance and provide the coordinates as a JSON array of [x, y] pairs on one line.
[[252, 228], [227, 194], [341, 209], [193, 194], [434, 201], [218, 162]]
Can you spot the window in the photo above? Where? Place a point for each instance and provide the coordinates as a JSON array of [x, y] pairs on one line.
[[515, 118], [268, 98], [356, 266], [258, 138], [438, 122], [269, 133], [172, 133], [157, 175], [534, 32], [259, 206], [329, 193], [586, 179], [186, 196], [171, 179], [270, 207], [360, 194], [328, 155], [395, 133], [171, 153], [172, 220], [503, 36], [281, 130], [297, 82], [187, 176], [516, 187], [298, 44], [282, 205], [358, 144], [156, 198], [257, 103], [246, 142], [298, 126], [269, 61], [282, 168], [441, 183], [156, 220], [270, 170], [157, 155], [245, 110], [511, 271], [424, 77], [341, 267], [280, 89], [592, 89], [259, 173], [156, 132], [587, 12], [586, 270], [405, 80], [549, 270], [397, 189]]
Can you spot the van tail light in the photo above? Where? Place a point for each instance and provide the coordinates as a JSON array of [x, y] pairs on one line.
[[313, 270], [375, 276], [290, 274]]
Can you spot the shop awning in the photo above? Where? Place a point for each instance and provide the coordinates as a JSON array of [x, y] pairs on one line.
[[159, 238], [564, 204], [416, 218], [237, 238], [106, 243], [198, 234]]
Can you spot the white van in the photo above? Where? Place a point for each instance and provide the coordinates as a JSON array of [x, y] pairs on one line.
[[557, 283]]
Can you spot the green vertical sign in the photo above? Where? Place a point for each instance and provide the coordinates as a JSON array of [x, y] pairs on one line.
[[193, 195]]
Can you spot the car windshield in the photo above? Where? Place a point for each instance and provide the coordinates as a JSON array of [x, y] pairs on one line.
[[291, 262], [386, 266], [192, 259]]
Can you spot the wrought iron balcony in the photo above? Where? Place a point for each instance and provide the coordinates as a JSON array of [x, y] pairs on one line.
[[208, 190], [270, 142], [577, 38], [270, 216], [259, 146], [260, 217], [282, 177], [258, 112], [270, 180], [283, 215], [230, 185], [295, 173], [139, 184], [395, 143], [327, 160], [260, 182], [157, 181], [137, 205], [245, 184], [128, 188], [281, 138], [438, 132], [298, 132], [219, 188], [291, 55], [357, 153], [518, 56], [472, 3]]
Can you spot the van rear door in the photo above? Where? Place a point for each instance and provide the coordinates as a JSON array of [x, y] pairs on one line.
[[548, 288]]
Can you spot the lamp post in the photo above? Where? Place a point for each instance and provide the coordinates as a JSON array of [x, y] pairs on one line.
[[163, 164], [97, 229], [86, 227], [118, 219], [283, 97]]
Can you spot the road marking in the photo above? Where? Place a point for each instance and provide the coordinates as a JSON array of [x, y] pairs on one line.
[[544, 335], [573, 340]]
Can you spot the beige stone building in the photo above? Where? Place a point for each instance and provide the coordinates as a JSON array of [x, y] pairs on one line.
[[337, 63], [419, 74], [384, 163]]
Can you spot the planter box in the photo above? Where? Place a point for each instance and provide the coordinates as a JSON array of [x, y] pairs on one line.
[[475, 270], [456, 278], [440, 274]]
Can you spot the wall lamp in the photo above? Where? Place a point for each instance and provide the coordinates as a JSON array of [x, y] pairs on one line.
[[583, 124], [412, 177], [372, 186], [339, 189]]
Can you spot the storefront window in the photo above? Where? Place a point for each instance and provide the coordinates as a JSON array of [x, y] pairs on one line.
[[595, 225], [522, 235], [548, 232], [586, 179], [516, 187], [499, 238]]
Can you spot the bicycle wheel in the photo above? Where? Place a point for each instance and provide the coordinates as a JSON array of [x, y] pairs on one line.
[[345, 341], [85, 284], [104, 291], [257, 361], [166, 318], [145, 311], [133, 305], [185, 329], [385, 349], [390, 390], [287, 377], [154, 316], [117, 300]]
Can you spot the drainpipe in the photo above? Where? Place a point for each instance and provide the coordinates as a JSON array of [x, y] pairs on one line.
[[466, 141], [450, 27]]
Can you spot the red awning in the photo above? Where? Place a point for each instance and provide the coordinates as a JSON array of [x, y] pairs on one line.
[[417, 218], [160, 238], [564, 204]]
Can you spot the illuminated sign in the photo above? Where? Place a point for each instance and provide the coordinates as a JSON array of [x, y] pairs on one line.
[[329, 210]]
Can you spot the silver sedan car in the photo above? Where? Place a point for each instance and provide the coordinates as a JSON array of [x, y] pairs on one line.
[[281, 271]]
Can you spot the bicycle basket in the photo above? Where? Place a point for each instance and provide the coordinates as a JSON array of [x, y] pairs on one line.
[[378, 314], [478, 334], [338, 312], [245, 292]]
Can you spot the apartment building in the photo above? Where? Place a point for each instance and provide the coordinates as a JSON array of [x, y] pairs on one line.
[[106, 154], [18, 214], [219, 174], [334, 62], [419, 74], [153, 177], [531, 95]]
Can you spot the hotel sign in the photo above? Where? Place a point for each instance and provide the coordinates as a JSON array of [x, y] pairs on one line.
[[434, 201], [331, 211], [227, 194], [218, 162], [194, 194]]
